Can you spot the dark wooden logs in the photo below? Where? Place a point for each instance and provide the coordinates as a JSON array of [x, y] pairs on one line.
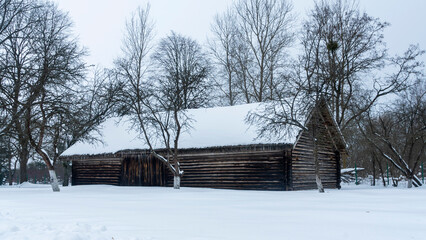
[[96, 171], [303, 164], [262, 166], [142, 170], [257, 168]]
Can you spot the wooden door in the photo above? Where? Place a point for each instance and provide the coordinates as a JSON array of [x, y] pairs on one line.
[[143, 171]]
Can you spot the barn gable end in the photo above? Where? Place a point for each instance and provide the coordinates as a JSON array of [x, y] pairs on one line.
[[331, 148]]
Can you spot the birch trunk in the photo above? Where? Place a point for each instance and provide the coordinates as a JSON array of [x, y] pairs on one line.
[[176, 182], [319, 183], [54, 181], [317, 169], [316, 159], [410, 183]]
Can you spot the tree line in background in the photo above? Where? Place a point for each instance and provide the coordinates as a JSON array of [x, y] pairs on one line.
[[47, 102], [50, 98]]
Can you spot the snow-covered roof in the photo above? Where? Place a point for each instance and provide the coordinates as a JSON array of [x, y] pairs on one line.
[[219, 126]]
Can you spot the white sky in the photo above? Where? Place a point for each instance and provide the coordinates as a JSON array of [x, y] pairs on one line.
[[99, 24]]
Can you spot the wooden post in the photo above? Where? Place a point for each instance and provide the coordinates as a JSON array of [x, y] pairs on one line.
[[9, 169], [387, 172], [338, 170], [356, 175], [344, 161], [374, 172]]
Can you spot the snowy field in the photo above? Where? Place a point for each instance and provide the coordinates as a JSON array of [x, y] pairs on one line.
[[108, 212]]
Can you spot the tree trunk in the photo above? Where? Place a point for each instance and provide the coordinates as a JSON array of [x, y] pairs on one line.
[[373, 183], [23, 161], [9, 169], [52, 174], [54, 181], [382, 174], [65, 182], [317, 169], [176, 182], [319, 183], [23, 176], [316, 159], [409, 182]]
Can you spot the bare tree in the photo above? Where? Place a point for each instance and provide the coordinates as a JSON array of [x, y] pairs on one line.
[[12, 160], [182, 82], [399, 133], [182, 71], [137, 99], [87, 105], [131, 72], [57, 67], [17, 66], [251, 42], [7, 158], [12, 13], [300, 101], [131, 69], [344, 48], [265, 27], [223, 48], [156, 104], [41, 90]]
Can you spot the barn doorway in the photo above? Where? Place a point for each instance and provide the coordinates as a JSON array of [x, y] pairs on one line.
[[143, 170]]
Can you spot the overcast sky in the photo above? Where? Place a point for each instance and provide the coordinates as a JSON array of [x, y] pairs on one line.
[[99, 24]]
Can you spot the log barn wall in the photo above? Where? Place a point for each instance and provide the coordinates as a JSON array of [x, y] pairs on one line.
[[303, 164], [259, 167], [263, 166], [99, 170]]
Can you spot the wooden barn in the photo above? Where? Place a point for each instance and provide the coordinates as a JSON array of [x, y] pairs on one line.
[[225, 155]]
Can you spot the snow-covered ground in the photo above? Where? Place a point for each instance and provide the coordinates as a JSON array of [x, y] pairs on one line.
[[109, 212]]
